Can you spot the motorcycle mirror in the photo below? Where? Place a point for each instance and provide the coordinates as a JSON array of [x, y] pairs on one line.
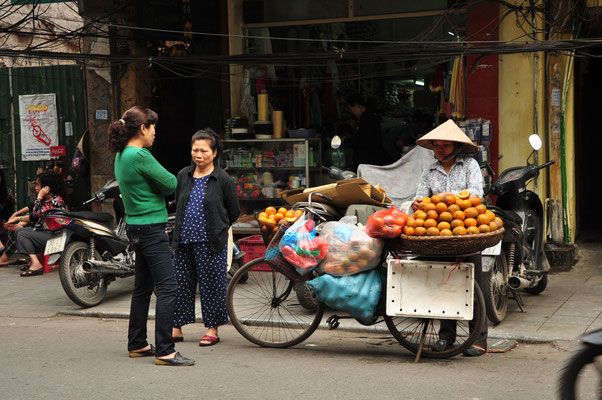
[[535, 142], [335, 143]]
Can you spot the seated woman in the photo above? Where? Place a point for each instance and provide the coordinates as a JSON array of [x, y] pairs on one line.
[[32, 240], [453, 171]]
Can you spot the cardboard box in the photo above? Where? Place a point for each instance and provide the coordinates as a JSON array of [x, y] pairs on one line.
[[344, 193]]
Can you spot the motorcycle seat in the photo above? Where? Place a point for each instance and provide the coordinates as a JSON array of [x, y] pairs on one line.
[[100, 217]]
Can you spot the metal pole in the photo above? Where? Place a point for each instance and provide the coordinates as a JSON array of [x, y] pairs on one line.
[[12, 128]]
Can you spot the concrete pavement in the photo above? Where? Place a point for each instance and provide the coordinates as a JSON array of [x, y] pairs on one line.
[[570, 306]]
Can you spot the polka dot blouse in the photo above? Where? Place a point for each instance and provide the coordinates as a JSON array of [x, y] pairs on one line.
[[194, 228]]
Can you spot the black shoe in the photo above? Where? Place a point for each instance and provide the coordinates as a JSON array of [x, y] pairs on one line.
[[178, 360], [440, 346], [177, 339], [144, 353], [474, 351]]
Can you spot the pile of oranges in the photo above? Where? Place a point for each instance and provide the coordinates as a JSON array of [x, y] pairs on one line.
[[270, 217], [452, 215]]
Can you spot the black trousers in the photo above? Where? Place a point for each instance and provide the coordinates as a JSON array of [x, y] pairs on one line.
[[153, 269], [448, 326]]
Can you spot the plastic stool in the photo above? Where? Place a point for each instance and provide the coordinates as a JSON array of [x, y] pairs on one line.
[[48, 268]]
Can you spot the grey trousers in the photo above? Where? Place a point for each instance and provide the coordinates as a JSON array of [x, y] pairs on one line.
[[30, 241]]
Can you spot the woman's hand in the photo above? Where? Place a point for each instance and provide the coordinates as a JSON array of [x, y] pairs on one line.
[[416, 204], [43, 192]]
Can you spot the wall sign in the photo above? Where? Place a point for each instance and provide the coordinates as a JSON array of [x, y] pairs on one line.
[[39, 129], [102, 114]]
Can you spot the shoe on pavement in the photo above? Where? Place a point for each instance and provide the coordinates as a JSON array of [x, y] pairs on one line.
[[178, 360]]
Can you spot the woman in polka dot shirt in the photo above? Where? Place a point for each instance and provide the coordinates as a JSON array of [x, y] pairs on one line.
[[207, 205]]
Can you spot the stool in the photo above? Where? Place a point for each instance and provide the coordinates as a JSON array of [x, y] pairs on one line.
[[48, 268]]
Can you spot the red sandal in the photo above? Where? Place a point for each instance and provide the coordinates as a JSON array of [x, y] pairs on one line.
[[211, 339]]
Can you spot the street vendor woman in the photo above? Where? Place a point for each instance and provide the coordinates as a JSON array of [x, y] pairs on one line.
[[453, 171]]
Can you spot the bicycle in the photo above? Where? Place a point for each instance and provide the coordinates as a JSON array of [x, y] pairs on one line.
[[265, 311]]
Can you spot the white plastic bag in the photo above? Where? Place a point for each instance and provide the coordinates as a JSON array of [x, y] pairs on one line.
[[350, 249]]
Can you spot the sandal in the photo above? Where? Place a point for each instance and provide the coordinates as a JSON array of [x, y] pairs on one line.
[[32, 272], [474, 351], [211, 339], [24, 267], [177, 339]]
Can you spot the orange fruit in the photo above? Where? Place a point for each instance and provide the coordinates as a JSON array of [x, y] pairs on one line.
[[298, 213], [436, 199], [420, 231], [430, 206], [471, 212], [498, 222], [484, 228], [449, 199], [278, 217], [445, 216], [446, 232], [459, 230], [464, 204], [410, 222], [475, 201], [262, 214], [432, 214], [408, 230], [270, 210], [443, 225], [422, 205], [420, 214], [453, 208], [418, 222], [282, 210], [455, 223], [275, 229], [473, 230], [432, 231], [470, 222], [481, 209], [441, 207], [430, 223], [459, 215], [490, 214], [493, 226], [464, 194], [425, 200], [482, 219]]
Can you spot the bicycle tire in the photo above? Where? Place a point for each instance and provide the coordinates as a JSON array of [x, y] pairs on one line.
[[569, 374], [265, 309], [495, 289], [411, 333]]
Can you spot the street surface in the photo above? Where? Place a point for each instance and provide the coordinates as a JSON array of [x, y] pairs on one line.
[[65, 357]]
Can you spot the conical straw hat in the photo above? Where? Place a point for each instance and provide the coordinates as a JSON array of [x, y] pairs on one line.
[[451, 132]]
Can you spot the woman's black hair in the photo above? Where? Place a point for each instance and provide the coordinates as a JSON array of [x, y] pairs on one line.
[[53, 180], [128, 127], [209, 134], [3, 186]]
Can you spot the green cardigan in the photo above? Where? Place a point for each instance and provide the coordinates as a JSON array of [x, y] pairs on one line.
[[144, 183]]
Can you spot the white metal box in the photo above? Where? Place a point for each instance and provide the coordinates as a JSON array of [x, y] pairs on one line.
[[430, 289]]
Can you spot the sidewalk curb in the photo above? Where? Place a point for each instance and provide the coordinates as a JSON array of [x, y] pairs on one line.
[[527, 339]]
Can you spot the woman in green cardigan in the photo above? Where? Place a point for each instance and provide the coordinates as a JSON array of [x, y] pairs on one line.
[[144, 183]]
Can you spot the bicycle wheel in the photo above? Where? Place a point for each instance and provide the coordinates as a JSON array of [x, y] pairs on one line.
[[410, 332], [265, 309]]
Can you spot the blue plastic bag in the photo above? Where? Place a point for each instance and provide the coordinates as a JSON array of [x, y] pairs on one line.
[[356, 294]]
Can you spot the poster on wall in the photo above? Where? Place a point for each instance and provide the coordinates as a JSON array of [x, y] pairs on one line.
[[39, 127]]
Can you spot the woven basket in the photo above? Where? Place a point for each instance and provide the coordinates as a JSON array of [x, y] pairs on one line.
[[451, 245]]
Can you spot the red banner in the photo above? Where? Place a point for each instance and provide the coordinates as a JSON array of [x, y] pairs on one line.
[[58, 151]]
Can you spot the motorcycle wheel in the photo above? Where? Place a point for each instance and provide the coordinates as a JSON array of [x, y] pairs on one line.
[[306, 299], [495, 289], [570, 373], [84, 289], [540, 287]]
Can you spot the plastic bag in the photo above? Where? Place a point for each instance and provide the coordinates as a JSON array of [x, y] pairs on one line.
[[301, 246], [386, 223], [350, 249], [357, 295]]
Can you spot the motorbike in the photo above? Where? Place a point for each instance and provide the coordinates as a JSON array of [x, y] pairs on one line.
[[572, 373], [92, 248], [518, 261]]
